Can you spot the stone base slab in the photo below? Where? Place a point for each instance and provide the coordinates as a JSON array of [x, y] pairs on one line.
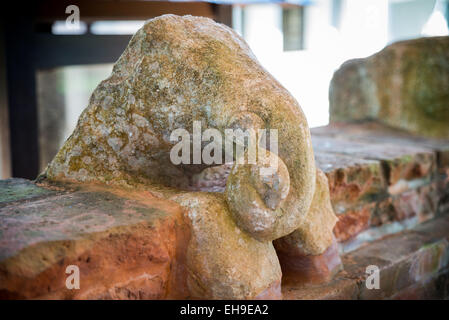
[[412, 264]]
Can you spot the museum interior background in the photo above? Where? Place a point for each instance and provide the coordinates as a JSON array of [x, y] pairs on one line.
[[49, 72]]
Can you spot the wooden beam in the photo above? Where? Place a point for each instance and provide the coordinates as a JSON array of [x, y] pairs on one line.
[[63, 50], [51, 10]]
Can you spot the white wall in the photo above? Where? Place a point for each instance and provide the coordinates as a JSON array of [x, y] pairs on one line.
[[366, 26], [407, 18]]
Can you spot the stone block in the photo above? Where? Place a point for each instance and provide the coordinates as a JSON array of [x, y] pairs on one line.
[[413, 264], [352, 181], [353, 222], [374, 132], [126, 246], [404, 85], [434, 288], [404, 260], [399, 162], [421, 202], [309, 269]]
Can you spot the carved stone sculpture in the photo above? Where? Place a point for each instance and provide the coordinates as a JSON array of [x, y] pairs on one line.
[[178, 70]]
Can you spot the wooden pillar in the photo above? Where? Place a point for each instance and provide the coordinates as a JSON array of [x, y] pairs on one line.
[[223, 14], [5, 154], [19, 36]]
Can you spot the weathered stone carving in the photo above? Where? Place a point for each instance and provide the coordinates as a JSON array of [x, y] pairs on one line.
[[310, 239], [177, 70], [405, 86], [310, 253]]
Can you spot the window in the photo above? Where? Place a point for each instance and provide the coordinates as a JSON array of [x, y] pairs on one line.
[[62, 94], [293, 28]]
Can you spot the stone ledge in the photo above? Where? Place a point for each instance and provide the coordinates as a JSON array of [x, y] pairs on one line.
[[400, 162], [382, 180], [20, 190], [126, 245], [351, 180], [412, 264], [373, 132]]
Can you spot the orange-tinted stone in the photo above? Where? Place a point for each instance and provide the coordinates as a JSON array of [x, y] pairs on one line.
[[400, 162], [352, 181], [309, 269], [353, 222], [126, 246]]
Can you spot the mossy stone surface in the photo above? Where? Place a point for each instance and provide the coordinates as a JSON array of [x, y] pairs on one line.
[[12, 190]]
